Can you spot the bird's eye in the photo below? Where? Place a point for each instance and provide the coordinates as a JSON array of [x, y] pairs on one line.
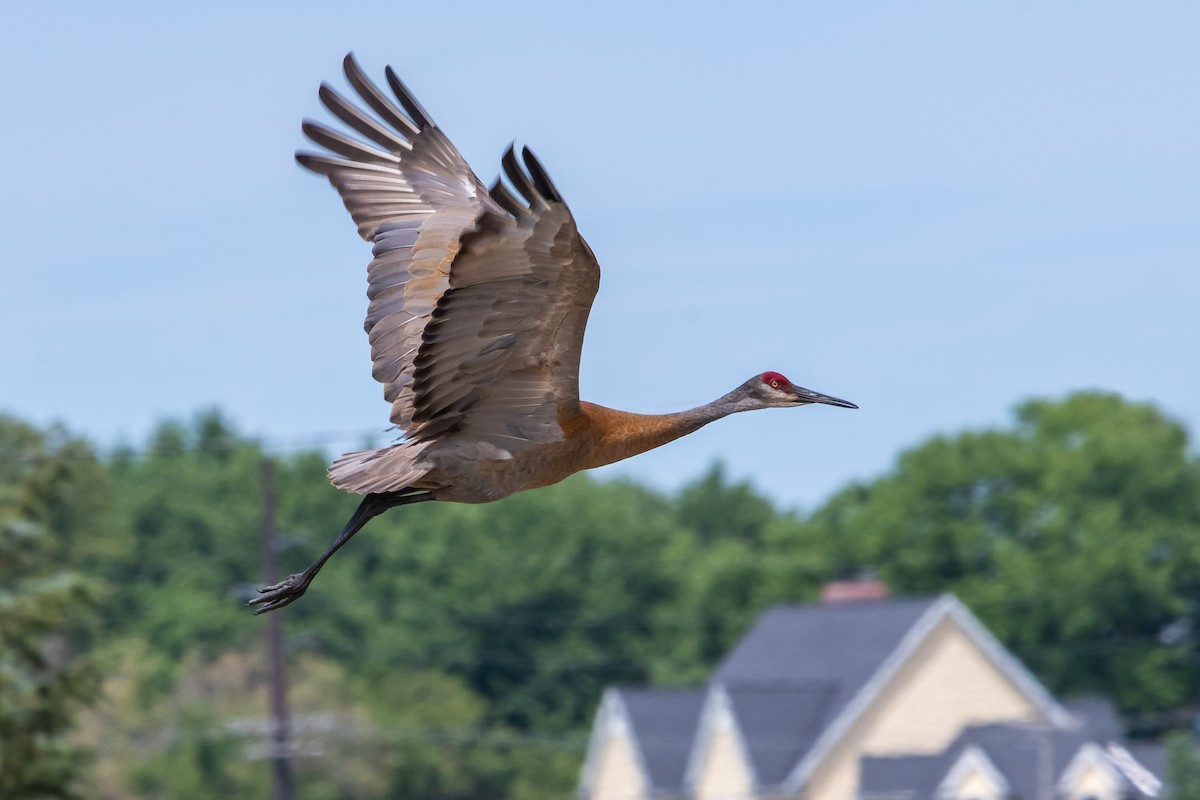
[[775, 380]]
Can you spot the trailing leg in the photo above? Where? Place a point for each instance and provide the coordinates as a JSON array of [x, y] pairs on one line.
[[290, 588]]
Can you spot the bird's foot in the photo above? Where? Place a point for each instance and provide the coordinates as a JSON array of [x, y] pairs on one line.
[[278, 595]]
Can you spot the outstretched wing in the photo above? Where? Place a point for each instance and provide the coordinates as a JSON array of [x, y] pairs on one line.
[[500, 359], [478, 298], [413, 196]]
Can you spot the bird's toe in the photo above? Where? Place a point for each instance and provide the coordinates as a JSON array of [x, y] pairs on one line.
[[278, 595], [274, 604]]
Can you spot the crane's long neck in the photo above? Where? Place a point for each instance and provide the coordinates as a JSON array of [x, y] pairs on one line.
[[615, 435]]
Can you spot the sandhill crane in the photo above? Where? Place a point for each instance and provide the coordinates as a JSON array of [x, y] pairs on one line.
[[478, 301]]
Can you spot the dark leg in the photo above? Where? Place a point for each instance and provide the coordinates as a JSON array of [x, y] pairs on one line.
[[290, 588]]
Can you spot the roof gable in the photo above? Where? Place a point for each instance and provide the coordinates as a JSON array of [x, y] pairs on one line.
[[612, 757], [719, 762], [935, 611], [973, 775], [794, 686], [798, 667], [1090, 773]]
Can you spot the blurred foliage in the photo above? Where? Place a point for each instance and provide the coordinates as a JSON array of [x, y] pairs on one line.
[[1183, 766], [48, 482], [458, 652]]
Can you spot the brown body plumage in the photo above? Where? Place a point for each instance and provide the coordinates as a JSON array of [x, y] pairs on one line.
[[478, 302]]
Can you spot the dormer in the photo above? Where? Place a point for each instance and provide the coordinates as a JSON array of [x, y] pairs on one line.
[[973, 776], [1091, 775]]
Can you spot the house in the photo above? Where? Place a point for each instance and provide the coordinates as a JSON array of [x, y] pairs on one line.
[[853, 699]]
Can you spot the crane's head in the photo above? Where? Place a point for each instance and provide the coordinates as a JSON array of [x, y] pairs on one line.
[[773, 390]]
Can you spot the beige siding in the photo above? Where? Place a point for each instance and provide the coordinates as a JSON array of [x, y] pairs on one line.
[[1094, 782], [725, 774], [618, 775], [946, 684], [977, 786]]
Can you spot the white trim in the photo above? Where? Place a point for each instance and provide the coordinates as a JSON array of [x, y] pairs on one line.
[[1088, 755], [1141, 778], [866, 695], [945, 606], [972, 759], [1011, 667], [717, 716], [611, 721], [704, 734], [596, 742]]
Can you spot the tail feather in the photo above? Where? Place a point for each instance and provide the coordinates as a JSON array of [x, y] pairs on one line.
[[388, 469]]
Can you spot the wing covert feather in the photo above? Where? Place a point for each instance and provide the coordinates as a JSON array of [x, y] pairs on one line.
[[478, 299]]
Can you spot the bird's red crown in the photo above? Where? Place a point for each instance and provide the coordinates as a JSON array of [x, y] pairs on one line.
[[775, 380]]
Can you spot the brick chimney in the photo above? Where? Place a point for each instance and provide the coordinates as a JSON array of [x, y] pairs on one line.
[[864, 587]]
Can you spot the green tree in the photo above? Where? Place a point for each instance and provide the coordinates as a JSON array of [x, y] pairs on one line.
[[45, 678], [480, 636], [717, 510], [465, 646], [1183, 766], [191, 508], [726, 569], [1075, 536], [537, 601]]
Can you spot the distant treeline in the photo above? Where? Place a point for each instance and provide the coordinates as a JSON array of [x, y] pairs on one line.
[[455, 651]]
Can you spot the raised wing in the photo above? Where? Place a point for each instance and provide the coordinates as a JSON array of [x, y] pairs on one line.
[[478, 298], [500, 360]]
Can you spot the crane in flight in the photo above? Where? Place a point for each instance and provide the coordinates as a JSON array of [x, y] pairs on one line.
[[478, 301]]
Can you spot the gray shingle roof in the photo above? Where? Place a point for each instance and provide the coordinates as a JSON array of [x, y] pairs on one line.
[[664, 724], [841, 644], [826, 654], [1015, 751], [789, 679], [1099, 716], [902, 776], [779, 723], [1152, 756]]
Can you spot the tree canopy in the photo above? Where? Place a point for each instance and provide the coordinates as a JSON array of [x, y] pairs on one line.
[[1075, 536], [456, 651], [50, 484]]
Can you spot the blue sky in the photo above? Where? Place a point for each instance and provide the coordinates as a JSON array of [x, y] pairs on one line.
[[932, 209]]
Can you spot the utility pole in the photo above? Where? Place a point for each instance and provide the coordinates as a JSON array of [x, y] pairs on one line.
[[281, 766]]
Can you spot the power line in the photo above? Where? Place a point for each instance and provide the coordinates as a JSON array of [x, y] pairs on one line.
[[334, 727], [82, 450]]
